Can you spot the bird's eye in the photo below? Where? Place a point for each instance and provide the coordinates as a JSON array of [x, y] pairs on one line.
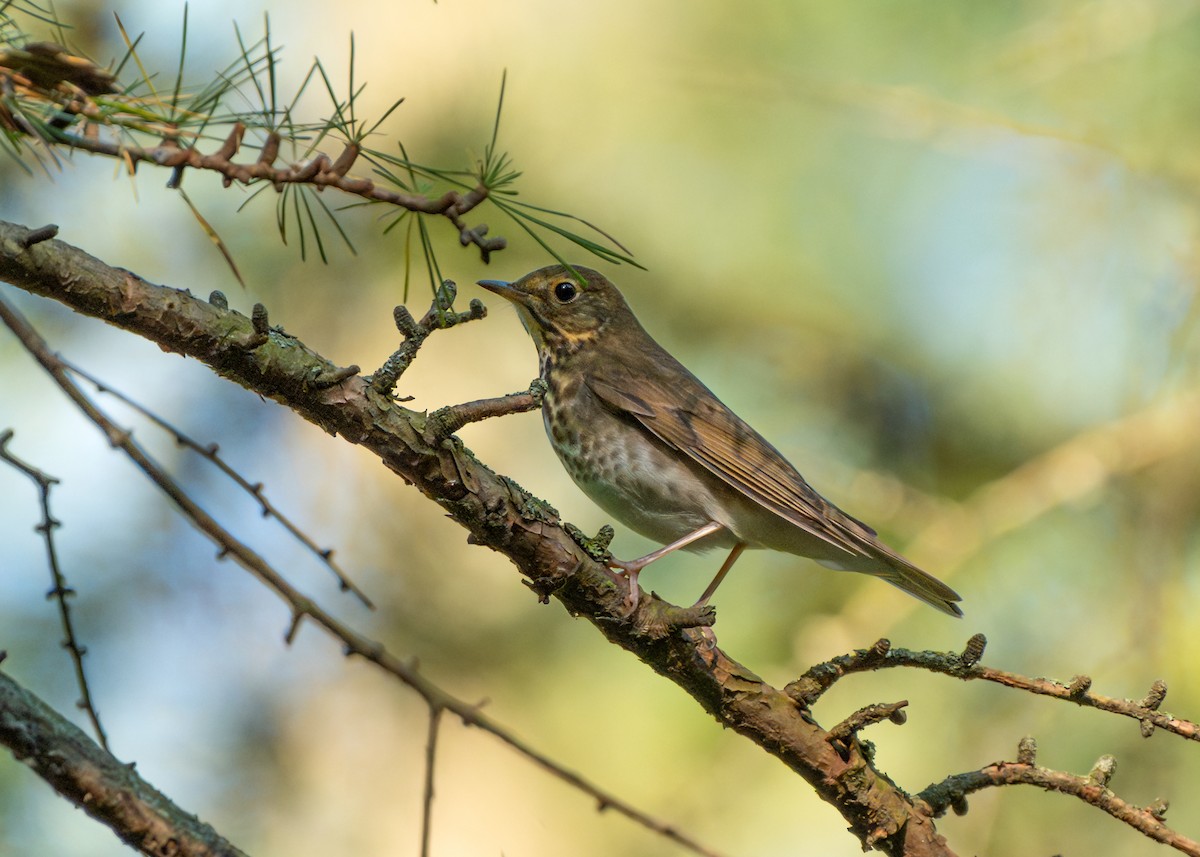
[[565, 292]]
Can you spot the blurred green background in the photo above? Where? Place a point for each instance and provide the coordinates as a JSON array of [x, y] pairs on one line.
[[942, 254]]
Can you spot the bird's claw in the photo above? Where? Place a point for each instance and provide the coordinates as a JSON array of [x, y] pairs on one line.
[[633, 592]]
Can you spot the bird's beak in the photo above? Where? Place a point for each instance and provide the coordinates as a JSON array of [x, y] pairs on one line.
[[500, 287], [518, 299]]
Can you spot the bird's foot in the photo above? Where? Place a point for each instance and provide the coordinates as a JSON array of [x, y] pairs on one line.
[[597, 548], [633, 592]]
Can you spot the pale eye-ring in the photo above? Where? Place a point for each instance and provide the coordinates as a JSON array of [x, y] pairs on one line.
[[566, 291]]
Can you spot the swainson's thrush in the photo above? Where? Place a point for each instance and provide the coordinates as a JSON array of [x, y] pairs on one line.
[[654, 448]]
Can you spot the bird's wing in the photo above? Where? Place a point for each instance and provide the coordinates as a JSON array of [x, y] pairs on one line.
[[682, 413]]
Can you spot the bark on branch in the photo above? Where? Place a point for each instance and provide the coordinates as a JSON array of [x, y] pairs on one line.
[[108, 791]]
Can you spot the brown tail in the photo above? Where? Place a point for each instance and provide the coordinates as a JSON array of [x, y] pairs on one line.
[[888, 565], [904, 575]]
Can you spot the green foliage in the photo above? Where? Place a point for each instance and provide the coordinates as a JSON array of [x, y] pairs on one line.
[[53, 99]]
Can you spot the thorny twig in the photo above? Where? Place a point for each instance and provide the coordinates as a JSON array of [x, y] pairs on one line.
[[211, 452], [59, 591]]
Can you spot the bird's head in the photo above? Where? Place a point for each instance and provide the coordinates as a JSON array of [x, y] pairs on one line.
[[563, 308]]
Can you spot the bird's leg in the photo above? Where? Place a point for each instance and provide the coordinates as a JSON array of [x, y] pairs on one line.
[[725, 566], [632, 568]]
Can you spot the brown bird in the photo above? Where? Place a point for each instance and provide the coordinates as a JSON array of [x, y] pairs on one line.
[[654, 448]]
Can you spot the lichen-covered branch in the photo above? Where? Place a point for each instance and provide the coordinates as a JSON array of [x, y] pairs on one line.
[[439, 316]]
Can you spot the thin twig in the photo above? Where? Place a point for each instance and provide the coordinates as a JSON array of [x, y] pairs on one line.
[[59, 590], [431, 741], [439, 316], [211, 452]]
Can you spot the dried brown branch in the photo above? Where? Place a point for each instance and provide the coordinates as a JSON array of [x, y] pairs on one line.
[[1091, 789], [807, 689], [320, 172], [107, 790], [92, 111]]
